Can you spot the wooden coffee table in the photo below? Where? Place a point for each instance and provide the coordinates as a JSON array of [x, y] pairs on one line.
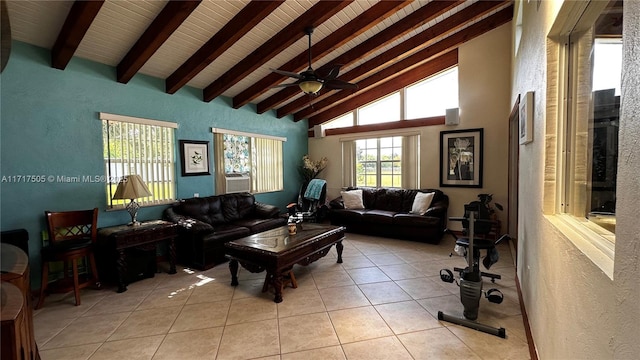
[[276, 251]]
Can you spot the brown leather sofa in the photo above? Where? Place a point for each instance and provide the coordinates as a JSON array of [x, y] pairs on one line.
[[206, 223], [387, 213]]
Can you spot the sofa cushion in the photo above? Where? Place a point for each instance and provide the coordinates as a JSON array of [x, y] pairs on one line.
[[349, 215], [237, 206], [206, 209], [224, 233], [379, 216], [388, 200], [260, 225], [352, 199], [421, 203], [415, 220]]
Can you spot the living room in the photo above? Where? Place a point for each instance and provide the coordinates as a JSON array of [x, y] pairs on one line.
[[50, 125]]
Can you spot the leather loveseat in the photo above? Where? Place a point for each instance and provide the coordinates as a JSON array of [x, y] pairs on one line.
[[207, 223], [387, 212]]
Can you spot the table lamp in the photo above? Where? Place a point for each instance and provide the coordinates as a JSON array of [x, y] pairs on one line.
[[132, 187]]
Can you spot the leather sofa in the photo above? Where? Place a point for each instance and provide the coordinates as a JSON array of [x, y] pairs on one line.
[[207, 223], [387, 212]]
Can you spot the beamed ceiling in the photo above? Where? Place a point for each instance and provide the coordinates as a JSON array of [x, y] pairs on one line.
[[226, 48]]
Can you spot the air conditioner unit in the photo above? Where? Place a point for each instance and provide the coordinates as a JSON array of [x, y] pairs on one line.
[[236, 183]]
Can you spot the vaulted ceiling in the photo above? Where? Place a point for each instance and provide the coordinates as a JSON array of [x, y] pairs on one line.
[[227, 48]]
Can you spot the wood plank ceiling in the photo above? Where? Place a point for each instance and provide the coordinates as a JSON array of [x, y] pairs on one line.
[[227, 48]]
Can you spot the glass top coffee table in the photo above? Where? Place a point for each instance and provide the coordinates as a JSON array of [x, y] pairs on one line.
[[276, 251]]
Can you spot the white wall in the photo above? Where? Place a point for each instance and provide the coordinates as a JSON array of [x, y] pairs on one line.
[[575, 310], [484, 82]]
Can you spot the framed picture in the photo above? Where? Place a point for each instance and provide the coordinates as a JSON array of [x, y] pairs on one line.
[[526, 118], [195, 157], [461, 158]]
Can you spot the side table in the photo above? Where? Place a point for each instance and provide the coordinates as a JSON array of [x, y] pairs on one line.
[[144, 237]]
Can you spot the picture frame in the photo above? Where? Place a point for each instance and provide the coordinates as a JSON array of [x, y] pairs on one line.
[[195, 157], [525, 130], [461, 154]]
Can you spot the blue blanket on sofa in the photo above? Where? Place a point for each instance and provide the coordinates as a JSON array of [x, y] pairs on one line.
[[314, 189]]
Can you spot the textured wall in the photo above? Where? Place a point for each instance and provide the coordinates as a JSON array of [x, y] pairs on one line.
[[576, 311], [50, 126], [627, 258]]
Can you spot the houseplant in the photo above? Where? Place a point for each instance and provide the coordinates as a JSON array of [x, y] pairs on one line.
[[311, 169]]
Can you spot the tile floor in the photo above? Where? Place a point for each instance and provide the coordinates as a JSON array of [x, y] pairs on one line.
[[381, 303]]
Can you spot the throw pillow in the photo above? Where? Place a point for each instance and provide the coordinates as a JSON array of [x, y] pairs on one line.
[[352, 199], [421, 203]]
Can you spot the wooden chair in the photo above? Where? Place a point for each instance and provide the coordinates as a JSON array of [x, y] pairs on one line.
[[72, 236]]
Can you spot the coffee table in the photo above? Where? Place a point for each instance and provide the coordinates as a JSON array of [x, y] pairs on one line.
[[276, 251]]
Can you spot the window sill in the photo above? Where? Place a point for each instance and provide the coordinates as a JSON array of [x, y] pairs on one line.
[[593, 241]]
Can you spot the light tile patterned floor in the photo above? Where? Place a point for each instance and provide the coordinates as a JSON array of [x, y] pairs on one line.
[[381, 303]]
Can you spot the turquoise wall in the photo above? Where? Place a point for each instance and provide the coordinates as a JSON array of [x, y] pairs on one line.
[[50, 126]]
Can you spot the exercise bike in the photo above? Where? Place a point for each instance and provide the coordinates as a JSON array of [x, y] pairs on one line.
[[470, 282]]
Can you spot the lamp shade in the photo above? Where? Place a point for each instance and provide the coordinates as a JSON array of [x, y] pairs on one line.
[[131, 187], [310, 86]]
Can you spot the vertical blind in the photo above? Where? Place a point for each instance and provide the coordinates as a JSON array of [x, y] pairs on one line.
[[142, 147], [266, 163], [267, 170]]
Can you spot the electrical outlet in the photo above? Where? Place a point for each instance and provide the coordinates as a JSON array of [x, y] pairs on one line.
[[196, 194]]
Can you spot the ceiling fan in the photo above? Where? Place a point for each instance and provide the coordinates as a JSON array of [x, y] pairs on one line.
[[310, 82]]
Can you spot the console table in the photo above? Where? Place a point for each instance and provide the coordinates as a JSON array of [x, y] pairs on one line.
[[114, 240]]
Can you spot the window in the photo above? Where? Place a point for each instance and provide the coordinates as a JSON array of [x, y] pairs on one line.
[[594, 68], [378, 162], [433, 96], [343, 121], [383, 110], [258, 157], [429, 98], [143, 147], [382, 162]]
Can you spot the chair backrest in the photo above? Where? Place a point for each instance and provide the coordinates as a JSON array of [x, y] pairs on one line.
[[70, 225], [480, 212]]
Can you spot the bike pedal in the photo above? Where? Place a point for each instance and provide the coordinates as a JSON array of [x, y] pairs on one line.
[[495, 296]]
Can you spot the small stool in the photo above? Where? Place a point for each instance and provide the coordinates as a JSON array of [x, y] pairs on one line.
[[287, 279]]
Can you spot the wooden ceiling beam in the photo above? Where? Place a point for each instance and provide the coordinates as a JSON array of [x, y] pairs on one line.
[[246, 19], [417, 42], [316, 15], [388, 86], [344, 34], [412, 21], [75, 27], [326, 110], [170, 18]]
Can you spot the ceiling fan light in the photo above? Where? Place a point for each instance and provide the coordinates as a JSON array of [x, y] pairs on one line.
[[310, 86]]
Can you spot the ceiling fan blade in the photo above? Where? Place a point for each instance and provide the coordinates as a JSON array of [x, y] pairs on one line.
[[333, 72], [284, 85], [339, 84], [286, 73]]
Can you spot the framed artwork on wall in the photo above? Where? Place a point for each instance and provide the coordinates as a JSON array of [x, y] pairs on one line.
[[526, 118], [461, 158], [194, 157]]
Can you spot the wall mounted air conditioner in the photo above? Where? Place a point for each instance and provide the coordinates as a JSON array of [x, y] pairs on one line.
[[236, 183]]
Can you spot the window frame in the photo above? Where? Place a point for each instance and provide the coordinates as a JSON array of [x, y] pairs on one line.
[[254, 155], [402, 102], [379, 161], [592, 240], [168, 151]]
